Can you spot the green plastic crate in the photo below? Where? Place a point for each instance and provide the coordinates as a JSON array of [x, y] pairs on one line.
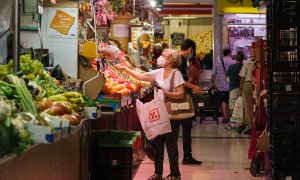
[[114, 138]]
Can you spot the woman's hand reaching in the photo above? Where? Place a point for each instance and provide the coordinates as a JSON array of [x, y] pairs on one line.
[[121, 67]]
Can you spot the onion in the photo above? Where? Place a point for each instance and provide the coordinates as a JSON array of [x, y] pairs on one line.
[[44, 104]]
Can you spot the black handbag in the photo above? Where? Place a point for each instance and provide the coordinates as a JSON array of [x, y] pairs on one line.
[[257, 165]]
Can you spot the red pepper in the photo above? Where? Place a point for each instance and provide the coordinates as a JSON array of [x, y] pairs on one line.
[[128, 86]]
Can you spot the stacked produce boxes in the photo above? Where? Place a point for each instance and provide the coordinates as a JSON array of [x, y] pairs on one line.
[[284, 90]]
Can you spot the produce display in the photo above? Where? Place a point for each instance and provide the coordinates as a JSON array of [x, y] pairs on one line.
[[122, 83], [13, 134], [73, 99], [33, 70], [25, 98], [31, 100], [60, 109], [203, 42], [117, 82]]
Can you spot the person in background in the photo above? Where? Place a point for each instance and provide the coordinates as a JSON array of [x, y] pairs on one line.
[[191, 77], [246, 90], [169, 61], [218, 80], [234, 81]]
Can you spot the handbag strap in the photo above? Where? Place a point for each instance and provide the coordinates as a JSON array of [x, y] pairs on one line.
[[223, 66], [172, 81]]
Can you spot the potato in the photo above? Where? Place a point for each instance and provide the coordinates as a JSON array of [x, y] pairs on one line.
[[64, 107]]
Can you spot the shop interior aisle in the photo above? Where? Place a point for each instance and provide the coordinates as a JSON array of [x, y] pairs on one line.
[[223, 152]]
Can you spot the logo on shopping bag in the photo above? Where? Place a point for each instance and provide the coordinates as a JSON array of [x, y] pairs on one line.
[[154, 115]]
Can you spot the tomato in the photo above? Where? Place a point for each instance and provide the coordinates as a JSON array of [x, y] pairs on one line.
[[129, 87], [120, 81]]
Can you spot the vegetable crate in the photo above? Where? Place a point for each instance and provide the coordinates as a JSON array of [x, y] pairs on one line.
[[112, 154]]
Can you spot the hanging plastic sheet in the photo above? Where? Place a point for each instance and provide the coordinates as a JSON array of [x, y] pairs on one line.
[[5, 15]]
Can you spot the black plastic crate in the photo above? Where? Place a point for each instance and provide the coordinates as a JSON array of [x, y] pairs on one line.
[[113, 173], [287, 36], [269, 15], [284, 59], [114, 138], [284, 112], [114, 156], [286, 11], [286, 82], [285, 150], [285, 123], [282, 174], [285, 102]]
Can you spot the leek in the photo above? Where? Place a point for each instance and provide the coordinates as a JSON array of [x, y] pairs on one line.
[[26, 100]]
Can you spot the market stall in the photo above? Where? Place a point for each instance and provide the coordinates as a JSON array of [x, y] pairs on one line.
[[49, 113]]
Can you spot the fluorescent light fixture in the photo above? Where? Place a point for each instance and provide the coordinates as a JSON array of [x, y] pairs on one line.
[[258, 16], [187, 17], [153, 3]]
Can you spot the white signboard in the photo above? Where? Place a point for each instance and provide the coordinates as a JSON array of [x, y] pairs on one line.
[[260, 31], [121, 30], [62, 22]]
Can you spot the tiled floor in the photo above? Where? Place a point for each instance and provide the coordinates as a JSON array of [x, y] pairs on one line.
[[223, 152]]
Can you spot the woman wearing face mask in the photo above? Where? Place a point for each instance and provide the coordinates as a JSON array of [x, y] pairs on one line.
[[169, 61]]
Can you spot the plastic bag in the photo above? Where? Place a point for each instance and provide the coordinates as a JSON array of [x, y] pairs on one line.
[[238, 111], [154, 116], [57, 73]]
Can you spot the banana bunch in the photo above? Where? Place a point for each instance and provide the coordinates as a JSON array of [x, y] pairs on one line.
[[73, 99]]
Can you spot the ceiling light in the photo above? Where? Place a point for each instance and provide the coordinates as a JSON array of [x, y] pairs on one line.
[[153, 3]]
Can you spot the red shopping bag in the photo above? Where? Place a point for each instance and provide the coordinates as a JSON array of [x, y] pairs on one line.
[[259, 124]]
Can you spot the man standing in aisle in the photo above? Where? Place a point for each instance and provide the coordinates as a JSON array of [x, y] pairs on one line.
[[246, 89], [218, 80], [188, 47], [234, 82]]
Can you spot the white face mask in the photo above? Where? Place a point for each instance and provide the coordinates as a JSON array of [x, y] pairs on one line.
[[189, 56], [161, 61], [188, 63]]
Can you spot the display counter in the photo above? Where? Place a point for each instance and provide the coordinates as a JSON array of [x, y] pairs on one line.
[[60, 160], [70, 157]]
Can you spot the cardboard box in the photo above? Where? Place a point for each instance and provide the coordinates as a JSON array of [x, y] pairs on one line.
[[43, 134]]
